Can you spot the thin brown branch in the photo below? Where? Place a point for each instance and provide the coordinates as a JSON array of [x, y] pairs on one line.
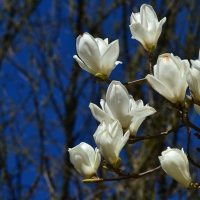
[[149, 137], [136, 81], [191, 125], [191, 160], [134, 176], [188, 124], [50, 185], [33, 186], [151, 62]]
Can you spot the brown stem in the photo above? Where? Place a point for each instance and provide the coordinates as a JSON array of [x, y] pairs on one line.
[[151, 62], [134, 176], [191, 125], [188, 124], [136, 81], [136, 139]]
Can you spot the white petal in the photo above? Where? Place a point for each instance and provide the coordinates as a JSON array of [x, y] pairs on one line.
[[109, 58], [139, 103], [181, 89], [148, 17], [102, 45], [124, 140], [117, 99], [142, 111], [197, 108], [159, 30], [105, 108], [168, 72], [117, 135], [99, 114], [79, 157], [107, 148], [88, 51], [89, 151], [118, 62], [135, 124], [196, 64], [106, 40], [186, 66], [83, 66], [192, 82], [132, 104], [160, 88], [97, 159], [135, 18], [140, 34]]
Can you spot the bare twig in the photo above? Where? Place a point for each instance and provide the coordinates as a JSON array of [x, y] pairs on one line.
[[191, 125], [151, 62], [149, 137], [134, 176], [136, 81]]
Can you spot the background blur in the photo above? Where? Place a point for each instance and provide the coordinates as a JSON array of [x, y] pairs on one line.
[[44, 97]]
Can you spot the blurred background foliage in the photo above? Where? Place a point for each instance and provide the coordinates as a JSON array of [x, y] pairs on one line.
[[44, 96]]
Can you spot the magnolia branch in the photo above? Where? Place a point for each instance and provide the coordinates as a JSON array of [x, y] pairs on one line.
[[136, 139], [99, 78], [136, 81], [129, 176], [191, 125], [188, 124], [151, 62]]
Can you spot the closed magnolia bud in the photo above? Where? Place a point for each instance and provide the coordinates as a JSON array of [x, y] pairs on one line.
[[175, 163], [85, 159]]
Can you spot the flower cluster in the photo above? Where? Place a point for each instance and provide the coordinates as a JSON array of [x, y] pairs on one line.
[[120, 115]]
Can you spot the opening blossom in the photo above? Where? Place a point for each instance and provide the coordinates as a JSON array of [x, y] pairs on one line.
[[193, 79], [169, 77], [175, 163], [85, 159], [96, 56], [121, 106], [145, 27], [110, 141]]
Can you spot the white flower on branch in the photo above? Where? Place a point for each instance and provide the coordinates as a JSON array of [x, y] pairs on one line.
[[96, 55], [175, 163], [110, 141], [193, 79], [169, 77], [85, 159], [121, 106], [145, 27]]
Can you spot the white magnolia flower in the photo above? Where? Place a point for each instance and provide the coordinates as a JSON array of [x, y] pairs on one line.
[[96, 55], [193, 79], [145, 27], [85, 159], [121, 106], [169, 77], [110, 141], [175, 163]]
